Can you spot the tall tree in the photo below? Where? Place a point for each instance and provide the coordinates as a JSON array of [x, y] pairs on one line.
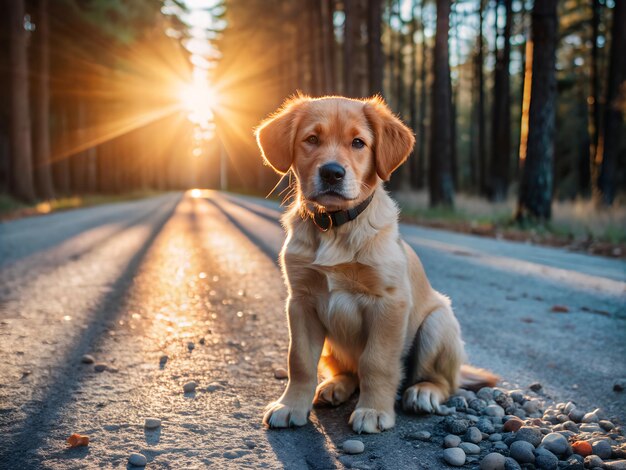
[[41, 122], [21, 148], [614, 116], [328, 45], [501, 116], [535, 196], [375, 63], [594, 98], [440, 171], [480, 112], [421, 130], [349, 27]]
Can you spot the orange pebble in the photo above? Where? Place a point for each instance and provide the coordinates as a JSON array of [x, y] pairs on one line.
[[76, 440], [582, 448]]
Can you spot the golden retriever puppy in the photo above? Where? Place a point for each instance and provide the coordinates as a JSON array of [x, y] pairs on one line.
[[360, 307]]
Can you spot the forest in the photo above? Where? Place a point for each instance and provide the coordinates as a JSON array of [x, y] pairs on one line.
[[507, 98]]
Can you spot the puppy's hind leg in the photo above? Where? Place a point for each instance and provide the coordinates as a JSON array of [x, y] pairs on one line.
[[435, 368], [339, 383]]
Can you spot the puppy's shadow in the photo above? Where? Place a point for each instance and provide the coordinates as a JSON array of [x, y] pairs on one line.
[[315, 444]]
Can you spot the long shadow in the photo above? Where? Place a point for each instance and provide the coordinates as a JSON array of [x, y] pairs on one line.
[[17, 451], [258, 241], [57, 239]]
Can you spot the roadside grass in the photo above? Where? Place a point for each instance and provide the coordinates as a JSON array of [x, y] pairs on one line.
[[578, 225], [11, 208]]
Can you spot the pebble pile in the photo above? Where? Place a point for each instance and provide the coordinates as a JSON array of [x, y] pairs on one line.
[[495, 429]]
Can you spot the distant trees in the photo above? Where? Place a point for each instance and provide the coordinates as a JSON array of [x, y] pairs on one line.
[[89, 80]]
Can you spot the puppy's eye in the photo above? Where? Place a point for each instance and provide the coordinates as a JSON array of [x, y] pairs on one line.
[[358, 144], [312, 139]]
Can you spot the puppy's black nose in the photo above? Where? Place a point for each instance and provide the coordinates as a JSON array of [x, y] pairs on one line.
[[332, 173]]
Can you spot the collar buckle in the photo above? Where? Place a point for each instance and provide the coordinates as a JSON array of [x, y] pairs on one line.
[[323, 221]]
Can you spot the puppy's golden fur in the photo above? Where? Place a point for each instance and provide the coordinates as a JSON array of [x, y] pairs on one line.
[[359, 300]]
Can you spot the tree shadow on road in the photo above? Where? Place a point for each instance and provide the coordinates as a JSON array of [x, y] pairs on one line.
[[38, 424]]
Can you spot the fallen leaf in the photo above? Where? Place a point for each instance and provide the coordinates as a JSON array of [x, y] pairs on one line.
[[76, 440], [559, 309]]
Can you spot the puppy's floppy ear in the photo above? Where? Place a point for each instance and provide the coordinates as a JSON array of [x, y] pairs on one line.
[[276, 134], [393, 141]]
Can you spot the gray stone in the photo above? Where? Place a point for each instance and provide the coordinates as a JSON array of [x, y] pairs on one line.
[[460, 403], [485, 425], [530, 434], [593, 461], [569, 406], [531, 406], [190, 387], [353, 446], [494, 410], [590, 427], [615, 465], [138, 460], [87, 359], [191, 345], [152, 423], [592, 417], [469, 448], [163, 359], [606, 425], [281, 373], [570, 426], [546, 460], [100, 367], [473, 435], [493, 461], [214, 386], [511, 464], [456, 425], [602, 449], [517, 396], [451, 441], [454, 456], [500, 447], [503, 400], [522, 451], [619, 385], [477, 404], [495, 437], [573, 464], [576, 415], [485, 393], [535, 387], [556, 443], [422, 435]]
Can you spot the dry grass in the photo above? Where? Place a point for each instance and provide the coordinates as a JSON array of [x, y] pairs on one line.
[[572, 220]]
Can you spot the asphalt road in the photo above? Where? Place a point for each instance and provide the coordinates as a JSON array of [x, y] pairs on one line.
[[131, 282]]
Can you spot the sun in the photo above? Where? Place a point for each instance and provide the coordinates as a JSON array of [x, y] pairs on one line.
[[200, 100]]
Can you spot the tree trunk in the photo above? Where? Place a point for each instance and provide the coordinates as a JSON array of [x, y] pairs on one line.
[[421, 131], [535, 195], [375, 61], [594, 101], [482, 150], [501, 134], [441, 183], [21, 149], [316, 50], [413, 118], [349, 85], [41, 127], [328, 42], [613, 117]]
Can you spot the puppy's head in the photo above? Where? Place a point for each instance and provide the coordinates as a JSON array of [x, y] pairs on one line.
[[338, 148]]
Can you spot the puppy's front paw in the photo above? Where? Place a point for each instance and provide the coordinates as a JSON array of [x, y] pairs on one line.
[[281, 415], [425, 397], [372, 421]]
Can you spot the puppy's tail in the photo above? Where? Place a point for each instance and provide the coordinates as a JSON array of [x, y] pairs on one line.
[[473, 378]]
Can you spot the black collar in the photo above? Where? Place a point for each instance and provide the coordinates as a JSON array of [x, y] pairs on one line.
[[326, 220]]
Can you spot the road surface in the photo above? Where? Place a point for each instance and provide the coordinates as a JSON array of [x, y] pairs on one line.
[[131, 282]]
